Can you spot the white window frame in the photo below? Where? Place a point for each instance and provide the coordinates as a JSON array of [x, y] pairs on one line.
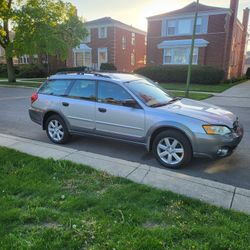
[[203, 24], [132, 59], [105, 34], [132, 38], [84, 62], [172, 54], [99, 51], [124, 42]]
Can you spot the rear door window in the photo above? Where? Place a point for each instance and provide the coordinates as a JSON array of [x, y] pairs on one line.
[[55, 87], [83, 89]]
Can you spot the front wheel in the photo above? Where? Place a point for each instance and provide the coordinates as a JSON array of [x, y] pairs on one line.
[[172, 149], [57, 130]]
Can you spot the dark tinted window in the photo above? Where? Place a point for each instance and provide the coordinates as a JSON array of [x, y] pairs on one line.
[[112, 93], [83, 89], [55, 87]]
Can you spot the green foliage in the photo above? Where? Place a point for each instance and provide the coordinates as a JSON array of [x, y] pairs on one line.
[[178, 74], [248, 73], [47, 204], [72, 69], [108, 67], [3, 70], [48, 27], [31, 71]]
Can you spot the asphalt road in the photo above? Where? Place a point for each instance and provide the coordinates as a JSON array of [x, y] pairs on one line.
[[234, 170]]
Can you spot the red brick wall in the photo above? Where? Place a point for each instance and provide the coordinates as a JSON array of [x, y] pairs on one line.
[[123, 56], [212, 55]]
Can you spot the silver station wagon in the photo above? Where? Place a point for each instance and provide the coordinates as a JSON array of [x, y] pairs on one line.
[[127, 107]]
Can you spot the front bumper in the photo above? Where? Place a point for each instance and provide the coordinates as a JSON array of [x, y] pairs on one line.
[[36, 115], [218, 146]]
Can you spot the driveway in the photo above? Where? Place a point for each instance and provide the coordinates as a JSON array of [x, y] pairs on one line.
[[234, 170]]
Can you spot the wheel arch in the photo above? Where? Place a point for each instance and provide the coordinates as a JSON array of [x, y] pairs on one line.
[[155, 130], [50, 113]]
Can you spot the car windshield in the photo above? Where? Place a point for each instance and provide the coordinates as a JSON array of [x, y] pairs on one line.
[[149, 93]]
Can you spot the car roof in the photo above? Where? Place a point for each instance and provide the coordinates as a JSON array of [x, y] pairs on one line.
[[120, 77]]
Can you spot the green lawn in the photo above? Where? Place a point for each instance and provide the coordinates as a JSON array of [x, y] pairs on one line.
[[195, 96], [26, 83], [201, 87], [47, 204]]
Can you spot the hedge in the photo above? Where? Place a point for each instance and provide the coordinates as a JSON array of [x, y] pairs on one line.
[[73, 69], [248, 73], [108, 67], [178, 74], [25, 71]]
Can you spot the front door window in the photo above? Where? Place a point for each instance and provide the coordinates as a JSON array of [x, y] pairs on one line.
[[102, 56]]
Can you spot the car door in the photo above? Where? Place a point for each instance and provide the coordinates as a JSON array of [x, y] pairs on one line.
[[79, 106], [113, 117]]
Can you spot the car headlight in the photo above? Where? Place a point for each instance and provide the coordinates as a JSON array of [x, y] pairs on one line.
[[216, 130]]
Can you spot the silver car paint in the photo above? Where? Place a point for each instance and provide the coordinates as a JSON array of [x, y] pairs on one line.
[[185, 115]]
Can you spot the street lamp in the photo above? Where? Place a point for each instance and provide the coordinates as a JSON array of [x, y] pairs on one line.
[[192, 50]]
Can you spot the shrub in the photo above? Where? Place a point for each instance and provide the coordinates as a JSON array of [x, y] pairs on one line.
[[178, 74], [73, 69], [108, 66], [248, 73], [3, 70], [30, 71]]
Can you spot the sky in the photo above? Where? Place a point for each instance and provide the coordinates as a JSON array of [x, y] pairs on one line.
[[134, 12]]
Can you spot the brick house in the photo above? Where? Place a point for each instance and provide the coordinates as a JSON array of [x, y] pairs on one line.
[[220, 37], [110, 41]]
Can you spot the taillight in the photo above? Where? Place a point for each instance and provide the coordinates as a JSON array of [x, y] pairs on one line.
[[34, 97]]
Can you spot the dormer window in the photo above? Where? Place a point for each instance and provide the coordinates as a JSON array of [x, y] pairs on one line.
[[102, 32]]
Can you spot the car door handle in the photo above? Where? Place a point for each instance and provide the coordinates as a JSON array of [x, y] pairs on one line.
[[65, 104], [102, 110]]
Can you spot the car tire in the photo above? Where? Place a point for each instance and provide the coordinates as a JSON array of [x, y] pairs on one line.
[[57, 130], [172, 149]]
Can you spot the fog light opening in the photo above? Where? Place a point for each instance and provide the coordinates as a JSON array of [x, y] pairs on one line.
[[223, 151]]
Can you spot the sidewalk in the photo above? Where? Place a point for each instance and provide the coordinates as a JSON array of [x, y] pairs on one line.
[[215, 193]]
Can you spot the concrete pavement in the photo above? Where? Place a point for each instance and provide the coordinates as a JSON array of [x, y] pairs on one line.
[[212, 192]]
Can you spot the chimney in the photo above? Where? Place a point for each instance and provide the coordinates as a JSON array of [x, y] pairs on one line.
[[234, 5], [245, 19]]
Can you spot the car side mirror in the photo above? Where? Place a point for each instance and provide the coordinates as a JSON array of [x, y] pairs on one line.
[[130, 103]]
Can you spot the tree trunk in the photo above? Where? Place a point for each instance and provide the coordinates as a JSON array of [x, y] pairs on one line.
[[10, 70]]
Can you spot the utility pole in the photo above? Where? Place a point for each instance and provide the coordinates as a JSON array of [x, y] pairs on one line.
[[192, 50]]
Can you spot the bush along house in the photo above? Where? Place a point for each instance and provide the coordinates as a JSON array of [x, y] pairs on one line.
[[220, 37], [113, 42]]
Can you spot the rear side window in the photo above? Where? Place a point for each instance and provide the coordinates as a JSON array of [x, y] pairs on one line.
[[55, 87], [83, 89]]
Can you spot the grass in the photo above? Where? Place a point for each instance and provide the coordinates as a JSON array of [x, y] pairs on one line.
[[195, 96], [47, 204], [218, 88], [18, 83]]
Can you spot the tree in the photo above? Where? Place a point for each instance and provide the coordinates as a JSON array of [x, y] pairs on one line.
[[42, 27]]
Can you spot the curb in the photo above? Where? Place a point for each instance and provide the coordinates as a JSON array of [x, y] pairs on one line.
[[215, 193], [17, 86]]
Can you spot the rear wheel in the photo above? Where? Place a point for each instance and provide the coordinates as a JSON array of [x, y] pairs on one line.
[[57, 130], [172, 149]]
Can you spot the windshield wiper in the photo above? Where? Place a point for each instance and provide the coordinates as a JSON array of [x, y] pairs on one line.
[[156, 105]]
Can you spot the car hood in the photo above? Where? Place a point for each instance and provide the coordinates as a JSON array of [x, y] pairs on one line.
[[203, 111]]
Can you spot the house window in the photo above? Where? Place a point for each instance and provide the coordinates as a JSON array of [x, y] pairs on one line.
[[146, 40], [102, 56], [83, 58], [184, 26], [87, 39], [132, 59], [171, 27], [145, 59], [124, 41], [179, 56], [24, 59], [102, 32], [133, 39]]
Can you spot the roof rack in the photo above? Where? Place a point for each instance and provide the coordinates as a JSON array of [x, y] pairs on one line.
[[82, 73]]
